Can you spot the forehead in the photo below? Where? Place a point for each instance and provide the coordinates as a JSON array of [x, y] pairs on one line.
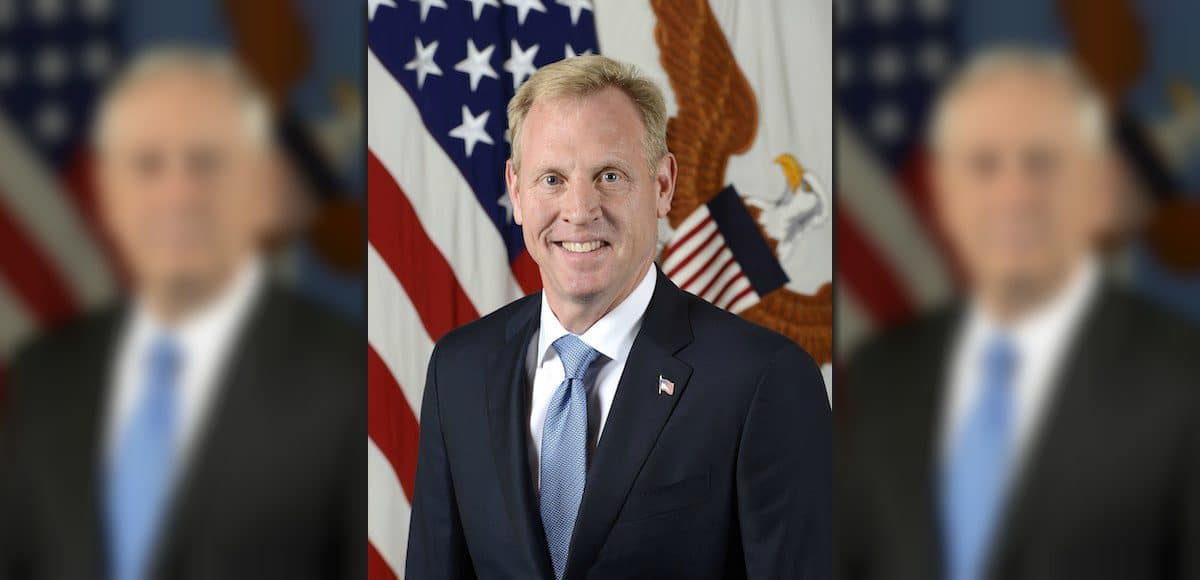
[[175, 105], [1014, 107], [605, 123]]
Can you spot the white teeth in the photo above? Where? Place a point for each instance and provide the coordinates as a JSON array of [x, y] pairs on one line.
[[581, 247]]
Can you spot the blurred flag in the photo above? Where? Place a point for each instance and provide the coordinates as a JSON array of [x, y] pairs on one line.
[[54, 56], [748, 86]]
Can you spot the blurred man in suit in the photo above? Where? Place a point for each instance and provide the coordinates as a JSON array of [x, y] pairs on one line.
[[612, 425], [1047, 426], [211, 425]]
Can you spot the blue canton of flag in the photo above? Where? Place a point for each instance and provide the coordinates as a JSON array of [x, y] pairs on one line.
[[461, 61]]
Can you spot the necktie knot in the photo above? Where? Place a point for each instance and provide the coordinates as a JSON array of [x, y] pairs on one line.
[[163, 357], [576, 355]]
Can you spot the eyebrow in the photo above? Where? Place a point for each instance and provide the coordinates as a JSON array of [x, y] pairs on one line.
[[608, 162]]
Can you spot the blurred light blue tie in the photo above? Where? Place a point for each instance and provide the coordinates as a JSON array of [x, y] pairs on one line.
[[139, 475], [974, 479], [564, 449]]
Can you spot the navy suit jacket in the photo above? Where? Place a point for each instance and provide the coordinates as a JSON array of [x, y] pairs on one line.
[[730, 477]]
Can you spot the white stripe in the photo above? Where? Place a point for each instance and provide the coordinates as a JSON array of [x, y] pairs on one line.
[[40, 205], [746, 302], [734, 269], [387, 520], [686, 249], [15, 324], [872, 198], [691, 221], [714, 247], [395, 331], [709, 272], [738, 285], [440, 196], [853, 324]]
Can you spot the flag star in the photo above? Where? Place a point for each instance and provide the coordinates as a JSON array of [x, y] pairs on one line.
[[427, 4], [423, 62], [477, 64], [520, 63], [477, 6], [524, 6], [572, 54], [472, 130], [577, 7], [506, 203], [373, 5]]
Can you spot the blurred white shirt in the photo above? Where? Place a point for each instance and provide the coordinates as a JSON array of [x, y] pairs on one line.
[[1042, 338], [205, 339], [612, 336]]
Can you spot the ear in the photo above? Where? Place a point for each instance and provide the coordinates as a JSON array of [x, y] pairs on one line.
[[664, 177], [514, 196]]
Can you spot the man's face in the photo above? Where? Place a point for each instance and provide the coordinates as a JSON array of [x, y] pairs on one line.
[[587, 203], [1021, 192], [186, 192]]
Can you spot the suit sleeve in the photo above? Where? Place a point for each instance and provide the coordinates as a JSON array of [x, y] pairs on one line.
[[784, 472], [437, 548], [15, 519]]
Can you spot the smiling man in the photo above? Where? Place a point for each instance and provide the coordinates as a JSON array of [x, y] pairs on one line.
[[612, 425]]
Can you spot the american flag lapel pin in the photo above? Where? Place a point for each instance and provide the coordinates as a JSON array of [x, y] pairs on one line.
[[665, 386]]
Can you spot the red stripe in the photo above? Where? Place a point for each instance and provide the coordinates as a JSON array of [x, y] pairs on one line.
[[915, 184], [869, 277], [702, 269], [31, 274], [675, 246], [398, 235], [79, 182], [694, 253], [391, 424], [377, 567], [725, 288], [707, 287], [739, 296]]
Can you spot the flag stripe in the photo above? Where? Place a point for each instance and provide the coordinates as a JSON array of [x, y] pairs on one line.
[[377, 568], [31, 275], [866, 275], [390, 422], [387, 520], [395, 330], [399, 237]]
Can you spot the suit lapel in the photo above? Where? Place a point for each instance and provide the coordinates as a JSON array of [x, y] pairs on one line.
[[637, 416], [1086, 368], [507, 390]]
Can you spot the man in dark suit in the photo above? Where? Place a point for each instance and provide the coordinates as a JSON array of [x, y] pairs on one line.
[[1048, 426], [211, 425], [613, 426]]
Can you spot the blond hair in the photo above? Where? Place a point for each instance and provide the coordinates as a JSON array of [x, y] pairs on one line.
[[582, 76]]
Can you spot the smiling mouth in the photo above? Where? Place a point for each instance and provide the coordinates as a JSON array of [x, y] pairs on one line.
[[581, 247]]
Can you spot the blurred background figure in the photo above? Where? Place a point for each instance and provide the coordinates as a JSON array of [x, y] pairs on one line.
[[1046, 424], [210, 424]]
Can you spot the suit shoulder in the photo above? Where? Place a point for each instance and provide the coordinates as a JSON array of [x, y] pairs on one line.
[[1155, 329], [737, 337], [64, 343], [316, 329], [489, 329]]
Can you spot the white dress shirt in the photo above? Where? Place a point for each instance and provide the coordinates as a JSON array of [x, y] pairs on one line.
[[612, 336], [205, 338], [1041, 339]]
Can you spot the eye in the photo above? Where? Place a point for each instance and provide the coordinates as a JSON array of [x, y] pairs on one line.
[[610, 177], [551, 180]]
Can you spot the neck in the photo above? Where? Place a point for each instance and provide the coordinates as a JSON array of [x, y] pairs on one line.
[[1011, 300], [579, 315], [174, 300]]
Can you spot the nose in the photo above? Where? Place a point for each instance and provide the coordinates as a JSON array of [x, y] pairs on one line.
[[580, 203]]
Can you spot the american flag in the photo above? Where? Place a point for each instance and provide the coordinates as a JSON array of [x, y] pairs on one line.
[[443, 247], [891, 260], [54, 263]]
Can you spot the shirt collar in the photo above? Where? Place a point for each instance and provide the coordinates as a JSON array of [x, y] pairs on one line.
[[212, 324], [1047, 325], [613, 334]]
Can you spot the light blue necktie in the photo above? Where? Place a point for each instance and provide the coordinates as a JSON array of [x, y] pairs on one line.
[[138, 477], [564, 449], [975, 477]]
